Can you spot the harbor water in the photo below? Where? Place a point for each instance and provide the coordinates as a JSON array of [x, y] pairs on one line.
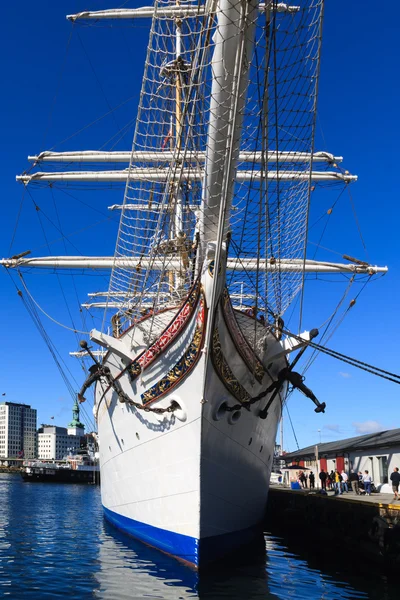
[[54, 542]]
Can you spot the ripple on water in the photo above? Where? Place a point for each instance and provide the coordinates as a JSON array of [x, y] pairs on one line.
[[54, 543]]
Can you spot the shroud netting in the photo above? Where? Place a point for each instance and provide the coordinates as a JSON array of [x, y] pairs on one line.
[[268, 215]]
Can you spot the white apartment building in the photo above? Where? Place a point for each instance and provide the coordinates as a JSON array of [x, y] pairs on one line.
[[55, 443], [17, 430]]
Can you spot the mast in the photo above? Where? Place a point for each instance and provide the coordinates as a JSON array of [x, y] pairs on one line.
[[150, 253], [233, 42], [178, 224]]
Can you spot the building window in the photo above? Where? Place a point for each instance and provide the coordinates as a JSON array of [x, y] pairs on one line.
[[383, 469]]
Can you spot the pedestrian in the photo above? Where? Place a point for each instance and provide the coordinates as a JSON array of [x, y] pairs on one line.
[[345, 477], [338, 487], [322, 477], [302, 479], [354, 481], [395, 479], [311, 479], [367, 479], [332, 478]]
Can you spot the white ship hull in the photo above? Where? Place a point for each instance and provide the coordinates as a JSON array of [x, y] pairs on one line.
[[193, 482]]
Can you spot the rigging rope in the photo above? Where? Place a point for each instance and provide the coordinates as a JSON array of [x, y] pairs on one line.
[[348, 359], [291, 424], [44, 312], [31, 309]]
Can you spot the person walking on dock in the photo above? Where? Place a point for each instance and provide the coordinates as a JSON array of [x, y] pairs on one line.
[[338, 479], [367, 479], [395, 479], [322, 477], [345, 487], [354, 481], [311, 479]]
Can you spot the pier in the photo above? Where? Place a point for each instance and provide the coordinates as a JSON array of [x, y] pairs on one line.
[[369, 525]]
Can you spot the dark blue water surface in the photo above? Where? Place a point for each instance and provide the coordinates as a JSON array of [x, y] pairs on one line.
[[54, 542]]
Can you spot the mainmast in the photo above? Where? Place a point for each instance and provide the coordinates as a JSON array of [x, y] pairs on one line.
[[188, 173], [233, 43], [177, 231]]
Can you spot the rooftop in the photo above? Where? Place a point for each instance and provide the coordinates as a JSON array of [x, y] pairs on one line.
[[382, 439], [17, 404]]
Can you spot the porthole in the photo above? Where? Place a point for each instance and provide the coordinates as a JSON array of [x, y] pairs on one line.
[[220, 411], [234, 417]]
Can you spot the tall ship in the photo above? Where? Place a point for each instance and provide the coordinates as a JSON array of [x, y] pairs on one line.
[[193, 361]]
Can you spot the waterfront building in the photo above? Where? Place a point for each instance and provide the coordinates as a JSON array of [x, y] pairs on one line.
[[277, 462], [378, 453], [54, 443], [17, 430]]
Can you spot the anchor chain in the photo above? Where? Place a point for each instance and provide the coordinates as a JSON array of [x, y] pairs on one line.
[[248, 403], [123, 397], [286, 374], [97, 371]]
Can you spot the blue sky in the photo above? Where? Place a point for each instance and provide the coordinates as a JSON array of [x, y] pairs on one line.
[[55, 84]]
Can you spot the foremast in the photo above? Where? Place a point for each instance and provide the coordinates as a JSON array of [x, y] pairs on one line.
[[184, 165]]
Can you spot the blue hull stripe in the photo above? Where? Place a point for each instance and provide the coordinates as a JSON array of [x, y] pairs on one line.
[[185, 548], [181, 546]]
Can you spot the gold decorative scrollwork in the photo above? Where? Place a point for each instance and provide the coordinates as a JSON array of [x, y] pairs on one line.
[[224, 371], [241, 344], [184, 365]]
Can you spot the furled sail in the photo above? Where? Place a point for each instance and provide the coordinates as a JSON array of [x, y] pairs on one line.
[[187, 113], [222, 158]]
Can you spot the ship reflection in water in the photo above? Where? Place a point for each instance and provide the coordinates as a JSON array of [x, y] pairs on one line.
[[132, 570], [54, 542]]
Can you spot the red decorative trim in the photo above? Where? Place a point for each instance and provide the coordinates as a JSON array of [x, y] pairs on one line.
[[134, 368], [172, 331], [184, 365]]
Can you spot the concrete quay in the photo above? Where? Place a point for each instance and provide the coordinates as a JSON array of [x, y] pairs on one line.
[[368, 524]]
